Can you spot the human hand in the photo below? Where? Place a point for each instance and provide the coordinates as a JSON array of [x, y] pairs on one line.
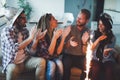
[[32, 32], [40, 35], [106, 51], [66, 31], [102, 37], [20, 55], [85, 37], [57, 33], [72, 42]]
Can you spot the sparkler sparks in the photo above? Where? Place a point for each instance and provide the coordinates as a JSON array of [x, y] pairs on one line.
[[88, 58]]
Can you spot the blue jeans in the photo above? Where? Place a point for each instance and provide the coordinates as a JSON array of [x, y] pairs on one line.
[[54, 69], [13, 71]]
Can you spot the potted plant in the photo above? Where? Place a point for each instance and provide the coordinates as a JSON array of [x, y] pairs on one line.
[[26, 6]]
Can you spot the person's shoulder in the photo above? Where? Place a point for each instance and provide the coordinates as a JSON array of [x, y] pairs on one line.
[[7, 28], [4, 32]]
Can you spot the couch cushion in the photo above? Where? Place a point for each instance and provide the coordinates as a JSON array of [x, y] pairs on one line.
[[75, 73], [27, 75]]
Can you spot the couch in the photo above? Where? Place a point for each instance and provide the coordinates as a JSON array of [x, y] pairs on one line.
[[75, 72]]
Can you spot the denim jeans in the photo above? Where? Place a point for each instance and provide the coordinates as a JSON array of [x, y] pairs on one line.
[[13, 71], [54, 69]]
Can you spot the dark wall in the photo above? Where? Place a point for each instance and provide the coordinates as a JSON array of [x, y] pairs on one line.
[[74, 6], [99, 8]]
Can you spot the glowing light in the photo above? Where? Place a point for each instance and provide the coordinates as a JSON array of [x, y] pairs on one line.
[[88, 60]]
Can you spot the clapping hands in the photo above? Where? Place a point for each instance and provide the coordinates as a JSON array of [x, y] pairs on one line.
[[32, 32], [40, 35], [57, 33], [85, 37], [72, 42], [66, 31]]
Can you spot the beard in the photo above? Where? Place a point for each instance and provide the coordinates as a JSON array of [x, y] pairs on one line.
[[80, 24], [20, 26]]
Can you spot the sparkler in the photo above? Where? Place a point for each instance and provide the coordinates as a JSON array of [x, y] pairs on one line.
[[88, 58]]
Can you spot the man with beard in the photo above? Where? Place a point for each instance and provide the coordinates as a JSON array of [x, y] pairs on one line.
[[75, 45], [15, 53]]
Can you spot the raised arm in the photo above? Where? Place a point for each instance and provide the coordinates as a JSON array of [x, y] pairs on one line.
[[65, 33], [85, 38], [56, 35], [23, 44], [39, 35], [94, 45]]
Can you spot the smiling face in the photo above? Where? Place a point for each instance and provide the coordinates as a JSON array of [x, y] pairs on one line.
[[21, 21], [81, 20], [101, 27]]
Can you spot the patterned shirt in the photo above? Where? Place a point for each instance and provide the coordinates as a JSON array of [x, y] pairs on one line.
[[9, 44], [42, 49]]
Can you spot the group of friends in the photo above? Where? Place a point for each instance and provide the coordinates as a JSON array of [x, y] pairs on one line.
[[42, 47]]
